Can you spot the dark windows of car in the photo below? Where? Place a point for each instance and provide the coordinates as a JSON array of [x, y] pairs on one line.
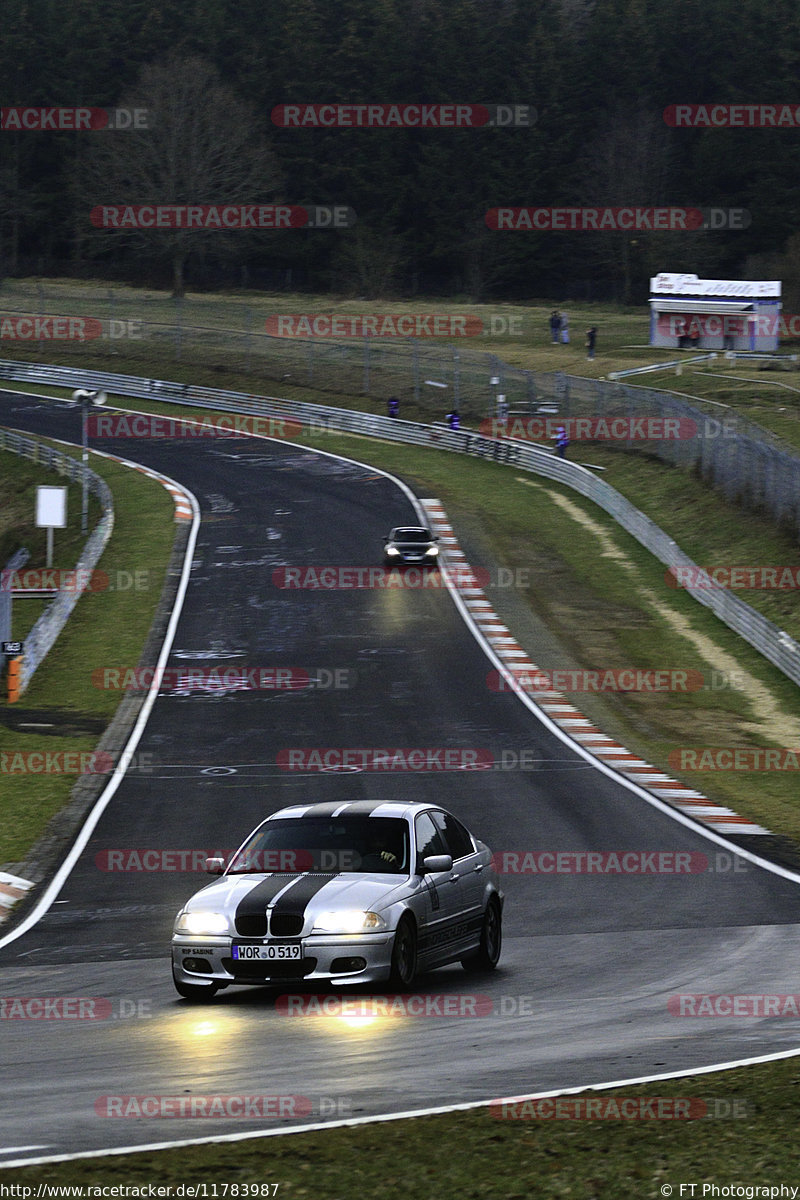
[[328, 845], [429, 839], [457, 841], [412, 535]]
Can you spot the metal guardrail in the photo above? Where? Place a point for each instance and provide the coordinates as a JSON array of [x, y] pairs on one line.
[[15, 563], [777, 646], [678, 363], [733, 354], [39, 640]]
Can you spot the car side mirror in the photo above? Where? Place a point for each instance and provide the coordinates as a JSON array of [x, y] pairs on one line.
[[215, 866], [437, 862]]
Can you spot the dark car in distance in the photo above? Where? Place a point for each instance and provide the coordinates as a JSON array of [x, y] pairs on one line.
[[411, 544]]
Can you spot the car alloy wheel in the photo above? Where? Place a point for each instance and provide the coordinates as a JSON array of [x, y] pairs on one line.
[[491, 943], [404, 954]]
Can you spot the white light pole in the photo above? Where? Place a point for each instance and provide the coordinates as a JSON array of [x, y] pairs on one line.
[[85, 398]]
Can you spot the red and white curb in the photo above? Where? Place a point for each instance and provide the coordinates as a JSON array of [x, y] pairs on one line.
[[556, 706], [183, 505], [12, 889]]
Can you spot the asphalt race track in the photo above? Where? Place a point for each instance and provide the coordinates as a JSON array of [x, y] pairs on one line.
[[589, 963]]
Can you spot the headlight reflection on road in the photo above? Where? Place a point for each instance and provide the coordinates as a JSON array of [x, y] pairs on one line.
[[206, 1029], [333, 1015]]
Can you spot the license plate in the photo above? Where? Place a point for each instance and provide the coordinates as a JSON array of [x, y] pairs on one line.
[[271, 952]]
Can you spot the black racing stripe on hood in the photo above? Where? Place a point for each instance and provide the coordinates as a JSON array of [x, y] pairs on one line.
[[322, 810], [288, 915], [251, 912]]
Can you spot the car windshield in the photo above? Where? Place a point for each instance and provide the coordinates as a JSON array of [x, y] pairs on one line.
[[412, 535], [327, 844]]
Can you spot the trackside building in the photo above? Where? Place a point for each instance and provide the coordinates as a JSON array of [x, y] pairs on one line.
[[714, 314]]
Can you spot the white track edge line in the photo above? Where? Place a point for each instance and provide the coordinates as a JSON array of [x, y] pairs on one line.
[[382, 1118]]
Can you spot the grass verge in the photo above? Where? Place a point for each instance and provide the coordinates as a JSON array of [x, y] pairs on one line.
[[107, 626], [481, 1156]]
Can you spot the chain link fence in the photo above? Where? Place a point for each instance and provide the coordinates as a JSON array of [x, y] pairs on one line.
[[752, 467]]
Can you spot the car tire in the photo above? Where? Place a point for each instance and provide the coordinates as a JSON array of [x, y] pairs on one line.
[[404, 955], [198, 993], [487, 955]]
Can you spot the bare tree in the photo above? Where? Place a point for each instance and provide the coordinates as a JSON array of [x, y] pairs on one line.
[[200, 147], [628, 163], [368, 263]]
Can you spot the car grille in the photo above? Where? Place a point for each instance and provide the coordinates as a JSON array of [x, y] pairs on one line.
[[252, 924], [286, 924], [270, 970]]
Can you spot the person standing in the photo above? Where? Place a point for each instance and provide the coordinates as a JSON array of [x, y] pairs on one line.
[[562, 441], [565, 329], [453, 419], [393, 405], [591, 339]]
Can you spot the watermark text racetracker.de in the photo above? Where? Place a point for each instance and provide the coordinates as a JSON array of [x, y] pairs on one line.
[[350, 578], [377, 325], [734, 758], [727, 1004], [732, 116], [609, 862], [70, 118], [206, 425], [626, 219], [543, 681], [621, 1108], [783, 324], [242, 1107], [73, 1008], [403, 116], [155, 861], [71, 762], [75, 580], [647, 680], [28, 328], [387, 1006], [616, 862], [222, 217], [785, 577], [591, 428], [414, 759], [185, 680]]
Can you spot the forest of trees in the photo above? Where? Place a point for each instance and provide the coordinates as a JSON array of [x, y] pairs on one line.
[[599, 74]]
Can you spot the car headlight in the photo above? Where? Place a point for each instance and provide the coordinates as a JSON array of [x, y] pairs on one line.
[[201, 922], [349, 921], [432, 550], [391, 551]]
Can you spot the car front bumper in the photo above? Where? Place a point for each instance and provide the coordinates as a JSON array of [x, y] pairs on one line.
[[329, 958]]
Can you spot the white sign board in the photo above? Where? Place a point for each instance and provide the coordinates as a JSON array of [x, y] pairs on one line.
[[51, 507], [672, 284]]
